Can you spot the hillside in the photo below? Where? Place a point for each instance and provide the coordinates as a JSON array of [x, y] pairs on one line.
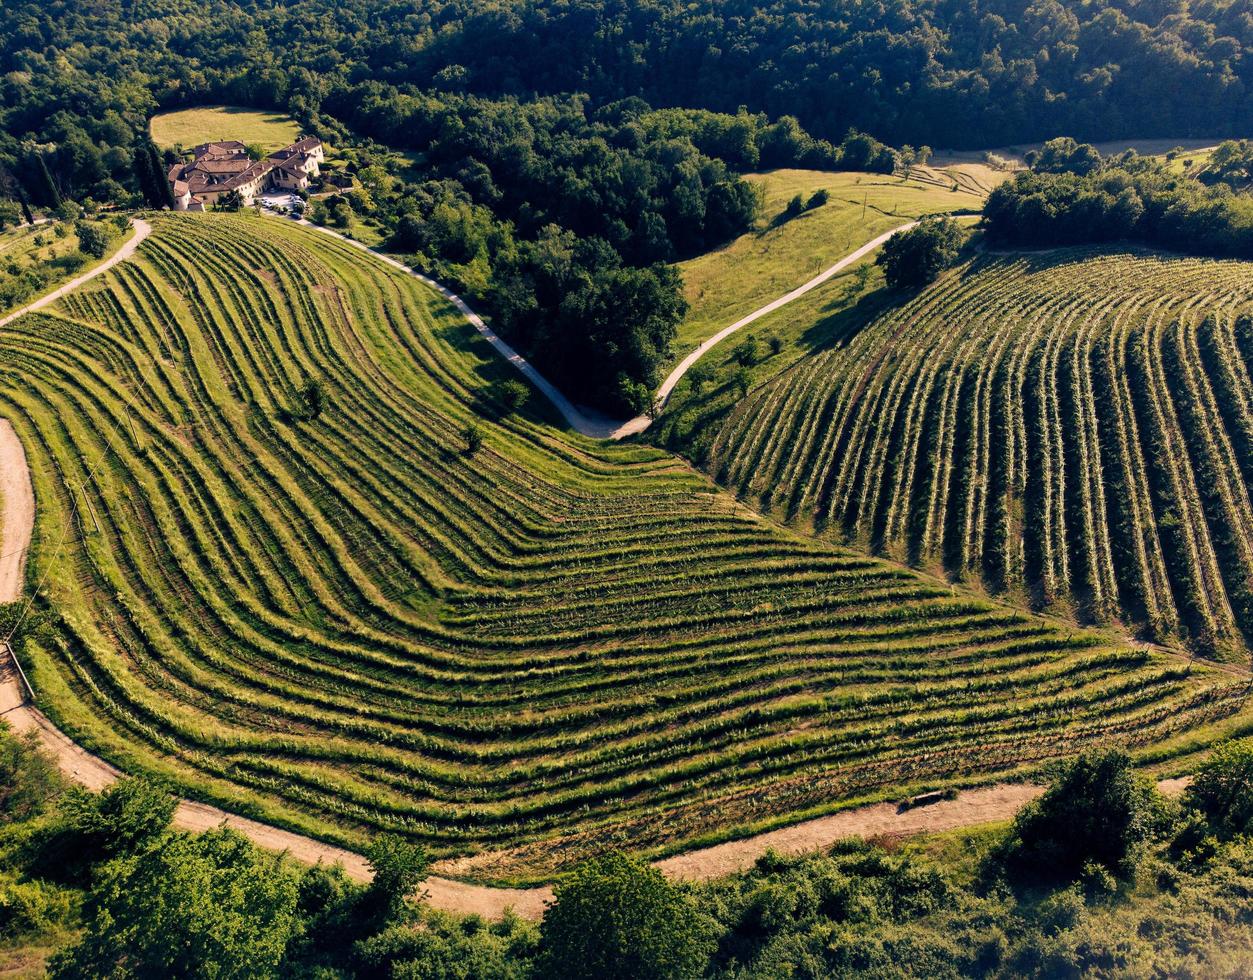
[[783, 251], [351, 623], [1071, 429]]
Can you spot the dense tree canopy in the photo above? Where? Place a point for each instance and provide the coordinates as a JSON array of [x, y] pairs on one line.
[[1066, 200], [527, 115]]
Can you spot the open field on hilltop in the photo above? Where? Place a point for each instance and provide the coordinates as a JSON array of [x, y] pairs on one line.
[[723, 285], [187, 127], [1071, 428], [347, 624]]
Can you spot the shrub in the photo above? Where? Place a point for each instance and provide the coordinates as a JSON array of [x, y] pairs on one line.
[[1099, 810], [399, 866], [29, 777], [473, 436], [616, 917], [1223, 788], [122, 820], [205, 906], [748, 352], [794, 207], [311, 400], [93, 238], [913, 258], [512, 395], [817, 199], [30, 906]]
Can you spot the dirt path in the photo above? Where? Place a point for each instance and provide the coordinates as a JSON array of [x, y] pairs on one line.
[[642, 422], [142, 231], [585, 420], [17, 497]]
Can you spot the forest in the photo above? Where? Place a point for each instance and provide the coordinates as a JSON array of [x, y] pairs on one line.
[[642, 115]]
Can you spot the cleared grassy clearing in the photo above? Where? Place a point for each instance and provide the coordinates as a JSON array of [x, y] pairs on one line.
[[347, 625], [188, 127], [782, 253], [35, 259], [1072, 429]]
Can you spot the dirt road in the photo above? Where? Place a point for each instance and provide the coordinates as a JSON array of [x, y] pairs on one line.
[[585, 420], [142, 231], [18, 500]]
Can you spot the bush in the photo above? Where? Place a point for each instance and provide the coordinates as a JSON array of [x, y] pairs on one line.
[[205, 906], [794, 207], [913, 258], [122, 820], [399, 866], [1223, 788], [310, 400], [817, 199], [748, 352], [93, 238], [29, 777], [512, 395], [473, 436], [1099, 810], [616, 917]]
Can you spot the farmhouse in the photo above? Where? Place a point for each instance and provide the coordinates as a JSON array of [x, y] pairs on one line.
[[217, 169]]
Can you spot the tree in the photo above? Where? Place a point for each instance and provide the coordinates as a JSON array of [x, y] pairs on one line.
[[310, 399], [794, 207], [473, 437], [230, 201], [817, 199], [10, 213], [616, 918], [122, 819], [29, 777], [913, 258], [512, 394], [1223, 787], [1098, 810], [210, 906], [93, 238], [399, 866]]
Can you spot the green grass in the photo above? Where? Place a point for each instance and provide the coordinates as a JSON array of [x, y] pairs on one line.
[[35, 259], [348, 625], [1069, 430], [780, 254], [188, 127]]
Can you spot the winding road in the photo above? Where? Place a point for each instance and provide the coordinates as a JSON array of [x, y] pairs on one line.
[[585, 420], [142, 231], [17, 512]]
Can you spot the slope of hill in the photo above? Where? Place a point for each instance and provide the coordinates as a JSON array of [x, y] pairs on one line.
[[1074, 428], [783, 252], [350, 622]]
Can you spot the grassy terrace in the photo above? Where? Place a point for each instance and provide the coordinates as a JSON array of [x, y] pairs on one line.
[[1074, 429], [780, 254], [349, 625]]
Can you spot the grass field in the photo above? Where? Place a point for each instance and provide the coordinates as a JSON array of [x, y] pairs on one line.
[[35, 259], [187, 127], [726, 284], [1073, 429], [347, 624]]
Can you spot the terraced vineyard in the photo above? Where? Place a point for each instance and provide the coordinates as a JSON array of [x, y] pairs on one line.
[[349, 624], [1076, 429]]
